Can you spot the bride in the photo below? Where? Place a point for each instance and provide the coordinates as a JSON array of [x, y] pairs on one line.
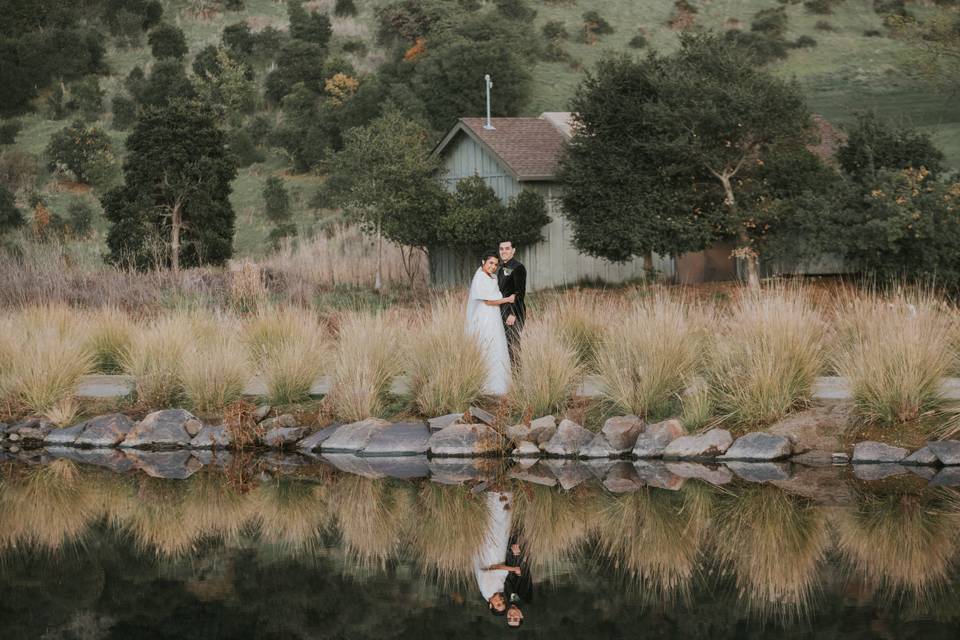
[[484, 322]]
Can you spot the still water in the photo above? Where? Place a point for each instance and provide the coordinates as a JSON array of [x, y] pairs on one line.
[[89, 553]]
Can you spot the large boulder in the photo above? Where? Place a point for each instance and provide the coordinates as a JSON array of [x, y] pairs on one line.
[[464, 440], [400, 439], [354, 436], [444, 421], [569, 440], [759, 446], [877, 452], [212, 436], [653, 440], [313, 441], [166, 428], [947, 451], [708, 445], [65, 436], [818, 428], [622, 431], [285, 421], [922, 456], [280, 437], [104, 431], [526, 449]]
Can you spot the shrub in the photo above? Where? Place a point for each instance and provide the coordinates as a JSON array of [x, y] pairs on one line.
[[894, 355], [823, 25], [548, 370], [86, 96], [243, 148], [766, 48], [287, 346], [804, 42], [80, 218], [215, 371], [124, 112], [646, 358], [9, 131], [48, 363], [355, 46], [697, 405], [18, 169], [515, 10], [109, 338], [364, 365], [10, 216], [78, 148], [767, 356], [872, 33], [638, 41], [554, 52], [234, 5], [344, 8], [772, 22], [155, 360], [581, 318], [311, 27], [819, 7], [446, 365], [555, 30], [167, 41], [594, 25]]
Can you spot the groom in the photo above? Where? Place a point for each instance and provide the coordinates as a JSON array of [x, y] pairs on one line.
[[512, 280]]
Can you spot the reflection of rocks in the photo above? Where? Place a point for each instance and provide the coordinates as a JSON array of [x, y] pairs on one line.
[[947, 451], [213, 457], [175, 465], [280, 437], [654, 438], [110, 458], [655, 473], [922, 456], [464, 440], [621, 478], [104, 431], [314, 441], [211, 436], [946, 477], [402, 467], [759, 446], [569, 473], [877, 452], [923, 471], [878, 471], [399, 439], [761, 471], [354, 436], [460, 470], [569, 439], [708, 445], [167, 428], [697, 471], [824, 485], [538, 473], [349, 463]]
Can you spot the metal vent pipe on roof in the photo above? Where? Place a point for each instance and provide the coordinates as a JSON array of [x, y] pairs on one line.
[[489, 126]]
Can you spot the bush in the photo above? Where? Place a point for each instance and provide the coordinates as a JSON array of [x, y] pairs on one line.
[[772, 22], [47, 366], [804, 42], [243, 148], [167, 41], [18, 169], [80, 149], [155, 360], [276, 201], [310, 27], [766, 48], [594, 25], [356, 46], [124, 112], [259, 129], [86, 96], [638, 41], [239, 39], [80, 218], [555, 30], [234, 5], [516, 10], [9, 131], [215, 371], [823, 25], [554, 52], [10, 216], [287, 347], [819, 7], [109, 338], [872, 33], [344, 8]]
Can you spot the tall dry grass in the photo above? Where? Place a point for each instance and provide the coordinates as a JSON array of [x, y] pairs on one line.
[[365, 362], [109, 337], [215, 370], [766, 356], [581, 317], [548, 370], [894, 353], [446, 365], [647, 356], [156, 357]]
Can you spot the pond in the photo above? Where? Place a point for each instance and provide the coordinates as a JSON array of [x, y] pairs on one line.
[[264, 551]]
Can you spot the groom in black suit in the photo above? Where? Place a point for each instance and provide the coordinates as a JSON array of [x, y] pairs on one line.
[[512, 280]]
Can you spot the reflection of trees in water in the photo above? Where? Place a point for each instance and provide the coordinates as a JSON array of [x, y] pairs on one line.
[[773, 542], [902, 543]]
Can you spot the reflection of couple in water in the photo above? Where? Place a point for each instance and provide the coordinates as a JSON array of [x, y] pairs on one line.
[[500, 565]]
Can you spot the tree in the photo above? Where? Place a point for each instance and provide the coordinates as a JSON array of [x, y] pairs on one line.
[[167, 41], [297, 61], [176, 191], [239, 39], [873, 145], [384, 179], [78, 147], [276, 206], [229, 85], [10, 216], [310, 27], [167, 81], [478, 220]]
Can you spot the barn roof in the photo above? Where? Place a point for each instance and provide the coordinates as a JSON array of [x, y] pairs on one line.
[[527, 147]]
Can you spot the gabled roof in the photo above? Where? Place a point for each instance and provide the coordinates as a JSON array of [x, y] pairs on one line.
[[529, 148]]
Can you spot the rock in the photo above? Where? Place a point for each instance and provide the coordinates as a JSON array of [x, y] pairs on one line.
[[212, 436], [537, 473], [653, 440], [922, 456], [14, 448], [13, 437], [622, 431], [313, 441], [600, 447], [400, 439], [483, 416], [444, 421], [947, 451], [656, 474], [261, 413], [193, 427], [286, 421], [569, 439], [35, 434], [542, 435], [878, 471], [696, 471], [877, 452], [174, 465], [164, 428], [354, 436], [104, 431], [569, 473], [280, 437], [816, 429], [64, 436], [526, 450], [464, 440], [839, 457], [708, 445], [947, 477], [26, 423], [545, 422], [759, 446], [761, 471], [621, 478], [518, 432], [112, 459]]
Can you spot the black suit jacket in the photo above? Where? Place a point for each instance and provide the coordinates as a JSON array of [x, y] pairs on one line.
[[512, 279]]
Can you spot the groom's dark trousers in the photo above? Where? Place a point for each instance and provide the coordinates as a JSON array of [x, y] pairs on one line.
[[512, 280]]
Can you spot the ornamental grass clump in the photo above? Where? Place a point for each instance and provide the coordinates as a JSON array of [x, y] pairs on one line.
[[648, 354], [894, 354], [215, 369], [767, 356], [109, 337], [580, 322], [286, 345], [155, 359], [446, 365], [365, 363], [548, 370]]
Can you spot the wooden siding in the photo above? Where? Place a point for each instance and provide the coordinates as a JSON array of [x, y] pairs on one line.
[[551, 263]]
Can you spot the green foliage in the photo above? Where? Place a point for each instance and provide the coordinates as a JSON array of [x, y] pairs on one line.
[[243, 148], [18, 169], [276, 201], [764, 47], [404, 21], [167, 82], [80, 148], [177, 177], [804, 42], [772, 22], [297, 62], [819, 7], [344, 8], [9, 131], [10, 216], [555, 30], [167, 41], [86, 97], [638, 41], [226, 83], [516, 10], [312, 27], [874, 145], [124, 112], [56, 102], [80, 218], [239, 39], [478, 220], [594, 25], [234, 5]]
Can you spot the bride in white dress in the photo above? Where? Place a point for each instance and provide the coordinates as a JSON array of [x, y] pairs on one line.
[[484, 321]]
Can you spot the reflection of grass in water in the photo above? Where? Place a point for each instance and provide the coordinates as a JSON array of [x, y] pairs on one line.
[[773, 541], [448, 529], [554, 524], [655, 537], [45, 507], [902, 541], [212, 507], [156, 520], [291, 515], [372, 516]]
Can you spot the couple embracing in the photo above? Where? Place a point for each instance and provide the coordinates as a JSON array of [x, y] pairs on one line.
[[496, 313]]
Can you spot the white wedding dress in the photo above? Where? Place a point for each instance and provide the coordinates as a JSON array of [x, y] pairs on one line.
[[484, 322]]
